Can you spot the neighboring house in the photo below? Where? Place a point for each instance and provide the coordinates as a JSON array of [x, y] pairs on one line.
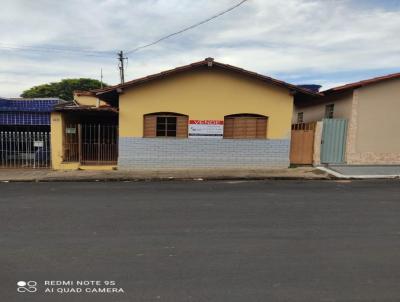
[[25, 131], [203, 115], [84, 136], [87, 98], [371, 109]]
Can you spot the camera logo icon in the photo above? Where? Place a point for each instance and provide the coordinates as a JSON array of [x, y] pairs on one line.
[[26, 286]]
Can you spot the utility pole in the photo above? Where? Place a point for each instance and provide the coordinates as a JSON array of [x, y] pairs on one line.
[[121, 59]]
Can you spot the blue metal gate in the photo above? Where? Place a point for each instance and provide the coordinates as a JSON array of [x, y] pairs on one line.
[[333, 144]]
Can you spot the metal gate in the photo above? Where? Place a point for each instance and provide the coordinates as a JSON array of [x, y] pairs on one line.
[[333, 144], [20, 149], [91, 144], [302, 143]]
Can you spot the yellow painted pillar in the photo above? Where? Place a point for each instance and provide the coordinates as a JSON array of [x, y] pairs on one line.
[[56, 139]]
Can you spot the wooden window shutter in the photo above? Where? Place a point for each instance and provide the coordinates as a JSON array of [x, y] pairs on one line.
[[261, 128], [251, 127], [182, 126], [150, 126], [245, 127], [239, 128], [228, 127]]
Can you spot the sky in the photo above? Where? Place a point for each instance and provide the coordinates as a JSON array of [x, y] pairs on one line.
[[325, 42]]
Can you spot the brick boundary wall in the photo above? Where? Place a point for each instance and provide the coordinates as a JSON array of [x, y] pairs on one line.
[[136, 153]]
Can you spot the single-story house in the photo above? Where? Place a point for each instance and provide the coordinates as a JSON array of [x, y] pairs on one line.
[[202, 115], [370, 110]]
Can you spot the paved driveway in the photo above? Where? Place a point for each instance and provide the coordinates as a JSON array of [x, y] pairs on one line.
[[201, 241]]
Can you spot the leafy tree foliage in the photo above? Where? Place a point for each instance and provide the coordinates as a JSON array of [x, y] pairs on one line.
[[63, 89]]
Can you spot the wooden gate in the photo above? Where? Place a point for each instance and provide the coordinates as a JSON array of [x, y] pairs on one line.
[[302, 144]]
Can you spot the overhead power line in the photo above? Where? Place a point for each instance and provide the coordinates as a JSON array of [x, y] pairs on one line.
[[121, 58], [85, 52], [95, 53], [187, 28]]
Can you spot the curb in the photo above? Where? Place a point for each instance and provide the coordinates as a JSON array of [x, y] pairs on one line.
[[165, 179]]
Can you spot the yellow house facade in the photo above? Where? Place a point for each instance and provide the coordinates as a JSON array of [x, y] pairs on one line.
[[206, 94]]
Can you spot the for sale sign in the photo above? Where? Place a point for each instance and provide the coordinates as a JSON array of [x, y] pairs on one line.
[[206, 128]]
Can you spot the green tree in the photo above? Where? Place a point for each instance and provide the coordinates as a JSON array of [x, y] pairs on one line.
[[63, 89]]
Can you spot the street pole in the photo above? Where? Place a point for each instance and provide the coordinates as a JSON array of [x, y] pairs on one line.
[[121, 66]]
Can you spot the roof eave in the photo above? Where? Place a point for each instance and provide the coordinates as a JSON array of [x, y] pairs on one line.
[[206, 63], [356, 85]]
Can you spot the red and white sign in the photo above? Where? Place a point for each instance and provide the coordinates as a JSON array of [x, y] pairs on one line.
[[206, 128]]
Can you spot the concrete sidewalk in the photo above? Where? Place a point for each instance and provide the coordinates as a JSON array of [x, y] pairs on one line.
[[363, 171], [183, 174]]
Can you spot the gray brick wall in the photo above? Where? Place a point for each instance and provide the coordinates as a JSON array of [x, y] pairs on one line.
[[202, 153]]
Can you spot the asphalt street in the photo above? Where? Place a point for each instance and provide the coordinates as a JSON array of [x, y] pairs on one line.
[[200, 241]]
